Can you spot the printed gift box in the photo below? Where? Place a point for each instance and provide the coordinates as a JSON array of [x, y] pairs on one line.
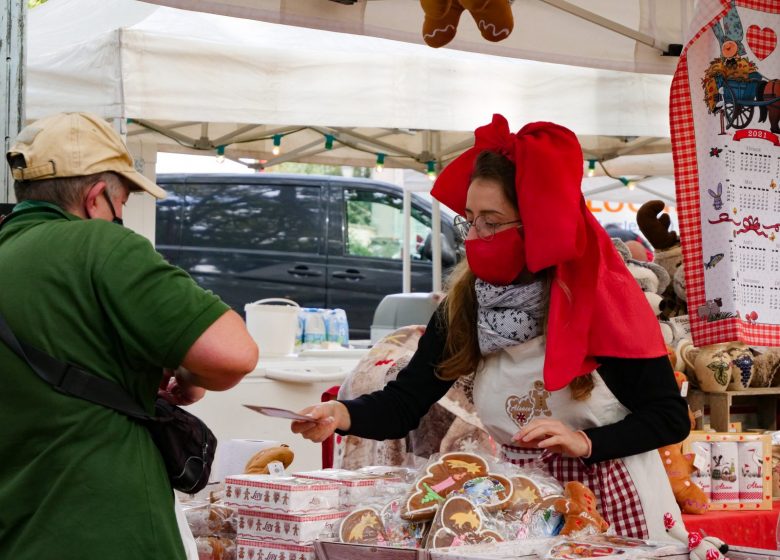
[[282, 494], [356, 487], [282, 527], [248, 549]]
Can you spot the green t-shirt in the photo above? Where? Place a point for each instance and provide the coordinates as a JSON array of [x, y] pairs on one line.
[[78, 480]]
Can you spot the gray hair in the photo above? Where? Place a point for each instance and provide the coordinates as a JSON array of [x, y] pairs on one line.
[[66, 192]]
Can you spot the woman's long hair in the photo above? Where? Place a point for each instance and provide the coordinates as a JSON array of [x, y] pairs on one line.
[[461, 348]]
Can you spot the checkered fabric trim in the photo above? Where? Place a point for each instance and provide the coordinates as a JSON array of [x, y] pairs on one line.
[[725, 496], [608, 480], [687, 183]]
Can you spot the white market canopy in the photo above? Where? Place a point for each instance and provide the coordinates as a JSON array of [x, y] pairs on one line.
[[628, 35], [203, 81]]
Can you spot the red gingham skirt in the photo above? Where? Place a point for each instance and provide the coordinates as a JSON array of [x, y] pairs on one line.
[[609, 480]]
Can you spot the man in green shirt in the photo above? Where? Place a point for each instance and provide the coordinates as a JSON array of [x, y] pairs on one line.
[[79, 480]]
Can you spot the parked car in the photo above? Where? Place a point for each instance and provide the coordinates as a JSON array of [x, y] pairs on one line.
[[322, 241]]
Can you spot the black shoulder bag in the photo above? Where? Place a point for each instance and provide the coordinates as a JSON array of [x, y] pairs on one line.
[[185, 442]]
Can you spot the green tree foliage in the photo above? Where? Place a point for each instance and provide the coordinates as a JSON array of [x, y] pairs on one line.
[[306, 168], [35, 3]]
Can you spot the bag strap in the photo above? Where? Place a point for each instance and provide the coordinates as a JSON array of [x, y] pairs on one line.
[[72, 380]]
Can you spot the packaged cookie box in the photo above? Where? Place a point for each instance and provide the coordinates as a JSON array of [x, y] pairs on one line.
[[356, 487], [282, 527], [248, 549], [281, 494]]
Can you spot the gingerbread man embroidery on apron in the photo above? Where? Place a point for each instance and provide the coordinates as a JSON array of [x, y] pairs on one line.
[[533, 405]]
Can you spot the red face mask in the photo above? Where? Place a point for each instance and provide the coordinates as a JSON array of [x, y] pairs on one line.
[[500, 260]]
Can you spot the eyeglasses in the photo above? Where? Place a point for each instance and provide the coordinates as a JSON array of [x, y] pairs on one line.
[[485, 230]]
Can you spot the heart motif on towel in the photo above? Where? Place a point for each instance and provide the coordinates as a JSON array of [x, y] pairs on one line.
[[761, 41]]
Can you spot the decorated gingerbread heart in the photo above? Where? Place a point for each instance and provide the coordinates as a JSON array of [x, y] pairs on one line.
[[460, 522], [449, 474], [525, 495], [363, 526]]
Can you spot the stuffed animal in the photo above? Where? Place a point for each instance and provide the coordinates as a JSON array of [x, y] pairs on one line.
[[578, 507], [493, 17], [700, 548], [652, 278], [679, 467], [767, 365], [668, 254]]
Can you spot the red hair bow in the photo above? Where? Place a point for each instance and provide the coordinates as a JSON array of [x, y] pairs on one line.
[[596, 306]]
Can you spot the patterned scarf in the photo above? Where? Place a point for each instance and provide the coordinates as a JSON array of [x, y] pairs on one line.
[[508, 315]]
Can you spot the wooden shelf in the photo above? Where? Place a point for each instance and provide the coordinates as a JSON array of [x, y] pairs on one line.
[[720, 406]]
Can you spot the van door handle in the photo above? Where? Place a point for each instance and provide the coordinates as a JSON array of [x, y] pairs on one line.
[[349, 274], [303, 270]]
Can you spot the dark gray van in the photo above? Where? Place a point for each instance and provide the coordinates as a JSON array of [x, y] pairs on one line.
[[322, 241]]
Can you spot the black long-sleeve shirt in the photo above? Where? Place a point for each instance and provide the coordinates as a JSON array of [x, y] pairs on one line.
[[646, 387]]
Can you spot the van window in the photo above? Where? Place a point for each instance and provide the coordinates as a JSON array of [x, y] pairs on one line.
[[278, 218], [375, 225]]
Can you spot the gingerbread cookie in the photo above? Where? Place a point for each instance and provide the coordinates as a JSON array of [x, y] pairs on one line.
[[460, 522], [447, 475], [525, 495], [258, 463], [578, 507], [399, 531], [544, 519], [570, 550], [363, 526]]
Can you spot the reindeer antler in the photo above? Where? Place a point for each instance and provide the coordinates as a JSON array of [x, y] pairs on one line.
[[654, 227]]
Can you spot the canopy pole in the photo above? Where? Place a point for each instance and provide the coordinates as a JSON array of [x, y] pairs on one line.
[[435, 147], [407, 237], [12, 23], [596, 19]]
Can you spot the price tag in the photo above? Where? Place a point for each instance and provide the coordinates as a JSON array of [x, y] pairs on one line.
[[700, 462], [276, 468]]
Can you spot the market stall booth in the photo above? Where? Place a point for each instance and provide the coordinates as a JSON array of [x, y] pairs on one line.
[[147, 66]]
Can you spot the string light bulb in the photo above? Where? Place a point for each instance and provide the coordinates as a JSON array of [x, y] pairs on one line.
[[220, 154], [277, 149], [380, 162], [328, 141], [431, 170], [591, 167]]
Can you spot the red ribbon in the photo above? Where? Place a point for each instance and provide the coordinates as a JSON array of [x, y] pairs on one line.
[[751, 223]]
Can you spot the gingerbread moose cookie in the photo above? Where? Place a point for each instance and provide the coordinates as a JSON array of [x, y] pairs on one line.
[[454, 472]]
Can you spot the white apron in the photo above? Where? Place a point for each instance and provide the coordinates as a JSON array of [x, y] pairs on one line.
[[634, 491]]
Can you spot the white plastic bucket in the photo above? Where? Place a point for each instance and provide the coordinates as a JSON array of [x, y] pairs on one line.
[[273, 327]]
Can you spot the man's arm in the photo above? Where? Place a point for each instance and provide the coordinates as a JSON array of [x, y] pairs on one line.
[[221, 356]]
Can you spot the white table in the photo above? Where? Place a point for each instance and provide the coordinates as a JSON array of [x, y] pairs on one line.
[[288, 382]]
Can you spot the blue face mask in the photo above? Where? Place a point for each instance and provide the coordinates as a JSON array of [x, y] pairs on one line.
[[116, 219]]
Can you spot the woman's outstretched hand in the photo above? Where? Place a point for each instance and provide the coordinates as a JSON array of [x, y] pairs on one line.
[[326, 418], [554, 436]]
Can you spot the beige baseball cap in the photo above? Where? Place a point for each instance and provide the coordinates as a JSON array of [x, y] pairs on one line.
[[74, 145]]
